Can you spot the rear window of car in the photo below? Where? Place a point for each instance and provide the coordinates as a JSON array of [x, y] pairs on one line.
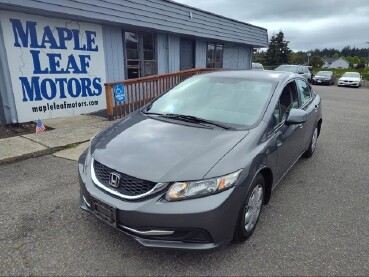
[[288, 68], [324, 73]]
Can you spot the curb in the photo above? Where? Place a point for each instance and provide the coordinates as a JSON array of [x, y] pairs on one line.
[[48, 151]]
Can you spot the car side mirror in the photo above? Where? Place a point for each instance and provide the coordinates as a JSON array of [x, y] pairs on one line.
[[296, 116]]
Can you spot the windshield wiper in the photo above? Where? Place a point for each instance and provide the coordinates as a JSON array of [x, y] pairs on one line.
[[194, 119], [151, 113]]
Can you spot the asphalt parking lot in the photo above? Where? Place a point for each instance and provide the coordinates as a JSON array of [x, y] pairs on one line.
[[317, 222]]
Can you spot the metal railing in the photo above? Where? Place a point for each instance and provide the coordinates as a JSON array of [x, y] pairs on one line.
[[140, 91]]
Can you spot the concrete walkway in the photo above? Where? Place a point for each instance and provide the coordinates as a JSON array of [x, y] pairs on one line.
[[68, 140]]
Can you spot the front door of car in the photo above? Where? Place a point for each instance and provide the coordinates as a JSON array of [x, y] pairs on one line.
[[289, 137], [308, 104]]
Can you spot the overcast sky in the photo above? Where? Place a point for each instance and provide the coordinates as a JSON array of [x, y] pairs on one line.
[[307, 24]]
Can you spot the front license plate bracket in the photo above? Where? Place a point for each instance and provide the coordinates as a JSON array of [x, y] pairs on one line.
[[104, 212]]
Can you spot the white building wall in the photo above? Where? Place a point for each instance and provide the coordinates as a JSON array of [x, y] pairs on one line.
[[340, 63]]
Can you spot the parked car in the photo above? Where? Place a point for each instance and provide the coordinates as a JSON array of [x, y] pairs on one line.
[[193, 168], [350, 79], [323, 77], [257, 66], [299, 69]]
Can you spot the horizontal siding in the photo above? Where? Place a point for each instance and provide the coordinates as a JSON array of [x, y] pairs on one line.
[[154, 14]]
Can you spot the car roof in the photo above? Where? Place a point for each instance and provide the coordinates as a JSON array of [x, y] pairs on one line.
[[265, 75], [290, 65]]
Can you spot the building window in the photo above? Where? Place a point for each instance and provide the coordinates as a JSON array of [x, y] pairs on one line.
[[215, 55], [140, 54]]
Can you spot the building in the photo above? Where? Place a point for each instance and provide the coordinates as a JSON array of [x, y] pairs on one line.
[[55, 56], [339, 63]]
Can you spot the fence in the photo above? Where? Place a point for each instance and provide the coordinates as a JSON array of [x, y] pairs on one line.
[[140, 91]]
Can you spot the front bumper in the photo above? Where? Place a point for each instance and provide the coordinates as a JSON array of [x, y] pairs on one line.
[[199, 224], [320, 81], [349, 83]]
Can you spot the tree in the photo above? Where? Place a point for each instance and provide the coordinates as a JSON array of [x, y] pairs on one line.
[[349, 59], [259, 57], [356, 60], [346, 51], [316, 61], [296, 58], [336, 56], [278, 51]]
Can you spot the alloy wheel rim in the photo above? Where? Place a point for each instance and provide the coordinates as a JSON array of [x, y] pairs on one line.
[[314, 139], [253, 207]]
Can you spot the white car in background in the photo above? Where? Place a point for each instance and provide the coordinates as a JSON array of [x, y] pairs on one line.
[[350, 79], [257, 66]]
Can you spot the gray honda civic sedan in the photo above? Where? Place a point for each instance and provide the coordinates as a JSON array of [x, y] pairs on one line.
[[193, 168]]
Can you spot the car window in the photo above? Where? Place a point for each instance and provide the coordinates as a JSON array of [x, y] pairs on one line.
[[305, 92], [277, 115], [230, 100], [287, 68], [287, 101]]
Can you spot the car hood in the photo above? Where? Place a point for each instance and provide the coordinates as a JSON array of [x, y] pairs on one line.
[[321, 77], [162, 151]]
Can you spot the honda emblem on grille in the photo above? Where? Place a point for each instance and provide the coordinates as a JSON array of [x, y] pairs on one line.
[[114, 179]]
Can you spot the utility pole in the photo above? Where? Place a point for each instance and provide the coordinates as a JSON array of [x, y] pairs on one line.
[[308, 55]]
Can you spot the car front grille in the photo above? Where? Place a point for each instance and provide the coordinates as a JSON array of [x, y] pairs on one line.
[[127, 185]]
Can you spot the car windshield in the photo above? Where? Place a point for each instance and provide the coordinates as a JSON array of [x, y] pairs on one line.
[[288, 68], [351, 74], [231, 101], [324, 73]]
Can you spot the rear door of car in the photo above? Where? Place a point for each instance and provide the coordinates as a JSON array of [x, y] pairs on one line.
[[310, 105]]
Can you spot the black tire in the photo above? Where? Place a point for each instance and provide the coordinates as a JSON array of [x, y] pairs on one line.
[[240, 232], [312, 145]]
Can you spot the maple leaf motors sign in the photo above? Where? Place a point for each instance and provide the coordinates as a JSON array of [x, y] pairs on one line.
[[57, 67]]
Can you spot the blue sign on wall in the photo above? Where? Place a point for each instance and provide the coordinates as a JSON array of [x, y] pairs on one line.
[[119, 93]]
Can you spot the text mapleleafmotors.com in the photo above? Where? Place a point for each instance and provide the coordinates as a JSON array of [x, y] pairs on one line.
[[65, 105]]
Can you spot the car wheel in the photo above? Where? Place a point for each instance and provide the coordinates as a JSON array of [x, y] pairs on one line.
[[250, 211], [314, 139]]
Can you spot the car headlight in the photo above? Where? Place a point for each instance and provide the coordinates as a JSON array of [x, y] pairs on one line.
[[183, 190]]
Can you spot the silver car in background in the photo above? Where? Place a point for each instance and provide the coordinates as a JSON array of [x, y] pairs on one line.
[[257, 66], [299, 69]]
